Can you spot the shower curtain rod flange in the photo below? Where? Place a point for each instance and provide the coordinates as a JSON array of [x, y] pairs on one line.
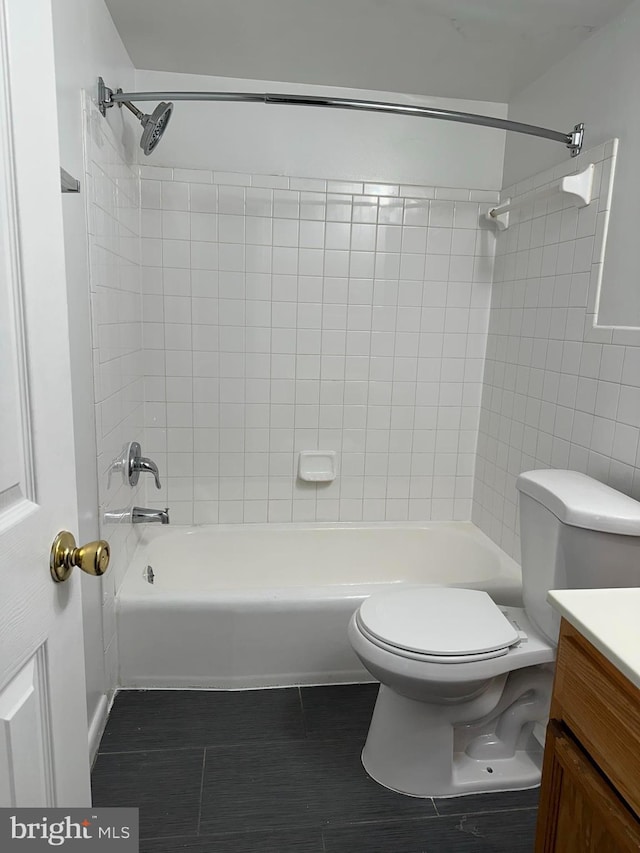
[[573, 140]]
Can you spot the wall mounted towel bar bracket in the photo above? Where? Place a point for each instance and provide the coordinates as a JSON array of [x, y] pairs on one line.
[[577, 188]]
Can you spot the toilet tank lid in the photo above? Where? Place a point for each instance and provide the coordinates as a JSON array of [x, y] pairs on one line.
[[581, 501]]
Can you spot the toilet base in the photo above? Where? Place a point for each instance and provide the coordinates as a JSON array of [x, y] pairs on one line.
[[471, 776], [410, 749]]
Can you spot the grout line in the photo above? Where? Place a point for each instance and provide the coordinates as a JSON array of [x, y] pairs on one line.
[[302, 712], [340, 825], [496, 810], [241, 833], [419, 820], [204, 761], [255, 742], [153, 749], [387, 819], [411, 475]]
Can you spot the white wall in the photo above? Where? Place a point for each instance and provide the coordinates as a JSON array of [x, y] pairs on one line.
[[86, 46], [314, 278], [598, 83], [331, 143], [455, 48], [113, 208], [557, 393], [286, 314]]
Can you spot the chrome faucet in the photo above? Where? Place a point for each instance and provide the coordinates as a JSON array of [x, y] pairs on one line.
[[143, 515], [137, 463]]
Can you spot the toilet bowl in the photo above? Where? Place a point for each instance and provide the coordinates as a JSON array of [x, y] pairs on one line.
[[445, 669], [463, 681]]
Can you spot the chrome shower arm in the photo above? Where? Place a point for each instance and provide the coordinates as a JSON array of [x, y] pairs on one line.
[[154, 125], [137, 113]]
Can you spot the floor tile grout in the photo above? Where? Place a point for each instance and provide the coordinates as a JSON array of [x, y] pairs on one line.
[[426, 819], [155, 749], [204, 761], [502, 810], [302, 714], [235, 744], [406, 819], [317, 775]]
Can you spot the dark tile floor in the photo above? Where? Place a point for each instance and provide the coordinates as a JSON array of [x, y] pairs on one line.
[[273, 771]]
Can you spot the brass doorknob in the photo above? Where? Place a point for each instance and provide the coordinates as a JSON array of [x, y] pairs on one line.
[[92, 558]]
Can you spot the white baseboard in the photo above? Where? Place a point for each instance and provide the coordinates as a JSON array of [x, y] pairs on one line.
[[97, 725]]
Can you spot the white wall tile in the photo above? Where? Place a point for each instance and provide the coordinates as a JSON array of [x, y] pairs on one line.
[[300, 313], [557, 393], [116, 286]]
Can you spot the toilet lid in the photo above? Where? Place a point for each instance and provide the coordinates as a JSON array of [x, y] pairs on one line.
[[437, 621]]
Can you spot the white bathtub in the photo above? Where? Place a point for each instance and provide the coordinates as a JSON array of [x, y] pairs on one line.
[[242, 606]]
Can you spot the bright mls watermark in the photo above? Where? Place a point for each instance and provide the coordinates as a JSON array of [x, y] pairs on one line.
[[87, 829]]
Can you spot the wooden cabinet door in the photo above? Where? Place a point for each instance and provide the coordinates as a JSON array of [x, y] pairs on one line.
[[579, 810]]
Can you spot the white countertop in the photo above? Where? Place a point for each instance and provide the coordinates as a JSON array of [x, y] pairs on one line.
[[609, 619]]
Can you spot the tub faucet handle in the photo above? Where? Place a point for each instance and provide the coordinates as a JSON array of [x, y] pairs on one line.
[[145, 464], [137, 463]]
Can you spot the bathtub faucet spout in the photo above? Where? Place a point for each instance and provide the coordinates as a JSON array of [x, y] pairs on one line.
[[142, 515]]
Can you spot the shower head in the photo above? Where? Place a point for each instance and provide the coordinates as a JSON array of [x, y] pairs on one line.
[[154, 126]]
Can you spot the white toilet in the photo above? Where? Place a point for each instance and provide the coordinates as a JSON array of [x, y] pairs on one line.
[[464, 681]]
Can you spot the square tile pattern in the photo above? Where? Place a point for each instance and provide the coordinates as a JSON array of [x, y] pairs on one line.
[[277, 771], [559, 391], [112, 201], [312, 315]]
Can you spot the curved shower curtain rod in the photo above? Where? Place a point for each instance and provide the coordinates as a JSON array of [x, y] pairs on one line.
[[572, 140]]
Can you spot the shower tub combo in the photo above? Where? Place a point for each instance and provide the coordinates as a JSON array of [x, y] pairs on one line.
[[244, 606]]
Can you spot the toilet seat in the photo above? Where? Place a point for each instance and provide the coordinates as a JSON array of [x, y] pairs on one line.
[[427, 658], [437, 624]]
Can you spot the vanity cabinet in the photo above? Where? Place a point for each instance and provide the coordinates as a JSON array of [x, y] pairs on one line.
[[590, 794]]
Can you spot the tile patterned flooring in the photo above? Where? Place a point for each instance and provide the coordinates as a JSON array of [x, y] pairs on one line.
[[274, 771]]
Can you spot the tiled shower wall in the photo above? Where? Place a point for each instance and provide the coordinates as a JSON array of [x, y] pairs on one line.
[[285, 314], [113, 205], [559, 391]]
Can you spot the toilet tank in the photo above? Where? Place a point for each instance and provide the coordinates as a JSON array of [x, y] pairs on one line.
[[576, 533]]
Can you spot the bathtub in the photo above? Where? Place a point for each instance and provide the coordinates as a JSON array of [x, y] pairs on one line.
[[241, 606]]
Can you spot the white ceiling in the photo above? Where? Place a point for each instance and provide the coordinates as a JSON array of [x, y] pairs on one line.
[[478, 49]]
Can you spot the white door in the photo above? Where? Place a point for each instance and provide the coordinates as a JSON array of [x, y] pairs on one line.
[[43, 724]]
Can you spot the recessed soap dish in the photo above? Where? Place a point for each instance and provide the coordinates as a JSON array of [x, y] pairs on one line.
[[317, 466]]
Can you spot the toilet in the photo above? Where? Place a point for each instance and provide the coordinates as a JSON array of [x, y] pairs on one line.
[[464, 681]]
